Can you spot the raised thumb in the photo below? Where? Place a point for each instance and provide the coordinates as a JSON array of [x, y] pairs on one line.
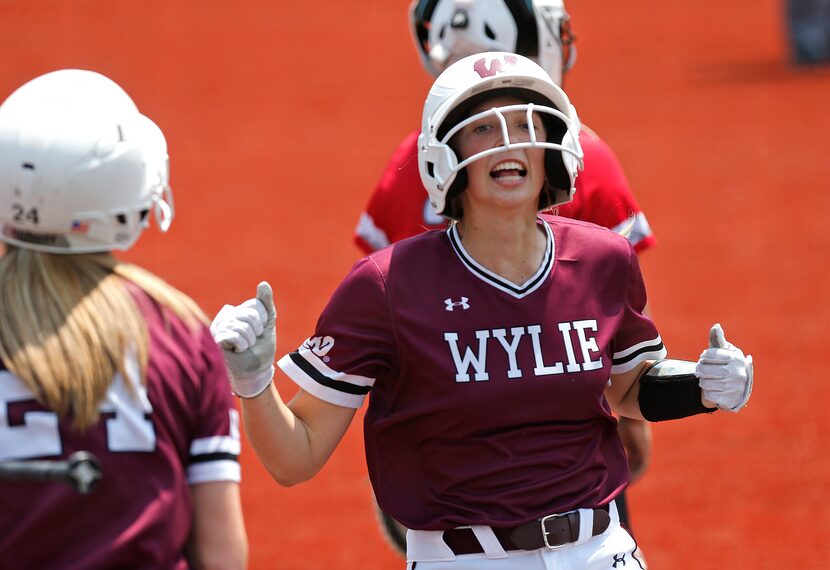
[[266, 296], [716, 337]]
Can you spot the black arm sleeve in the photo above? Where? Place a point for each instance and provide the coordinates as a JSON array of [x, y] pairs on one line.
[[669, 390]]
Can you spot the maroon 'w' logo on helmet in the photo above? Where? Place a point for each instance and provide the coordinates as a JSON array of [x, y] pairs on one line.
[[483, 70]]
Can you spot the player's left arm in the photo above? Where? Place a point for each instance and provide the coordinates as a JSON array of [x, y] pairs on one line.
[[721, 378], [218, 539]]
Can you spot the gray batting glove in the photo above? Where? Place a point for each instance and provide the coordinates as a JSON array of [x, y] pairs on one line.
[[248, 339], [725, 373]]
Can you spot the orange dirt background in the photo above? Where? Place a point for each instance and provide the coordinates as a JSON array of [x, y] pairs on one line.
[[281, 115]]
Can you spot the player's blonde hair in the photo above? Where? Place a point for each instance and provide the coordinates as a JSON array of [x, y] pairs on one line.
[[68, 322]]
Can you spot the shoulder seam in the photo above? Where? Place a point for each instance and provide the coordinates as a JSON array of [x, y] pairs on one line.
[[386, 295]]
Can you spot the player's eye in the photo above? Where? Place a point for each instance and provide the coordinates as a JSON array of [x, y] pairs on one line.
[[538, 126], [483, 127]]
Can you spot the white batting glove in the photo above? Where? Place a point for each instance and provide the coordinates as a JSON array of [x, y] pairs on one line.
[[248, 339], [725, 373]]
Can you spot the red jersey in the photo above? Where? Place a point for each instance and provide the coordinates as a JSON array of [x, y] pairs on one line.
[[152, 441], [487, 403], [399, 207]]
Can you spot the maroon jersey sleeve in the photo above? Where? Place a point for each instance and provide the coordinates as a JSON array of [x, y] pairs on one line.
[[353, 343], [214, 449], [637, 339], [603, 196], [399, 207]]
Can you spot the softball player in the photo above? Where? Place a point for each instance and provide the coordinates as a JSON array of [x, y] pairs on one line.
[[444, 32], [100, 355], [495, 351]]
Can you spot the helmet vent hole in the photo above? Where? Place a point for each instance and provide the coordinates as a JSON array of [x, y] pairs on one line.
[[489, 32], [459, 19], [431, 169], [442, 32], [120, 134], [122, 219], [27, 166], [143, 215]]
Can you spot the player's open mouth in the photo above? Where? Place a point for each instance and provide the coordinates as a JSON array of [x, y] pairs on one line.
[[509, 171]]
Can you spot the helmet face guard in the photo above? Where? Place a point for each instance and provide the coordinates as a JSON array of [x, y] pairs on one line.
[[81, 170], [477, 79], [570, 153]]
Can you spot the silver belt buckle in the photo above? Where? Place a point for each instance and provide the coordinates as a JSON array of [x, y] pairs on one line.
[[545, 532]]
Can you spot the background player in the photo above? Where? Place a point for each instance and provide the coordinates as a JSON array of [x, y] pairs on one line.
[[100, 355], [444, 32], [494, 351]]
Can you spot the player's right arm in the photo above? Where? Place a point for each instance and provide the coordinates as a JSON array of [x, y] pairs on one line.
[[293, 441]]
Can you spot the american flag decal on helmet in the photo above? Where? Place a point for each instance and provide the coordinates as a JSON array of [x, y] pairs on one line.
[[79, 227]]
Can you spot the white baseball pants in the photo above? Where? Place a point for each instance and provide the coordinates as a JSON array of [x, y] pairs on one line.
[[612, 550]]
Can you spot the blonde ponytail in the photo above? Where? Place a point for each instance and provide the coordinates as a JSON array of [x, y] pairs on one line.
[[68, 322]]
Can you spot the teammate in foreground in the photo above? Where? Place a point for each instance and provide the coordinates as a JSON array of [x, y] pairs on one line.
[[495, 351], [444, 32], [100, 355]]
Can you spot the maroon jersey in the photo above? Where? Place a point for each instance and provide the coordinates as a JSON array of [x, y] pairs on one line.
[[399, 207], [487, 401], [152, 441]]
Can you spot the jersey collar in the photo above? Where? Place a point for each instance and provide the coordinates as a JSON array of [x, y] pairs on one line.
[[515, 290]]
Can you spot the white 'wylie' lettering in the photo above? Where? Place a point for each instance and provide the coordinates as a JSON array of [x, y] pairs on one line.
[[514, 371], [478, 361], [510, 343]]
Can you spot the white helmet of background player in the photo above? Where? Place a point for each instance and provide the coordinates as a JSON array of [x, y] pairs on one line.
[[468, 83], [447, 30], [80, 168]]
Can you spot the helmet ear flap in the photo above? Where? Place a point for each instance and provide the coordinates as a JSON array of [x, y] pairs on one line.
[[437, 164], [562, 168], [556, 49], [157, 170]]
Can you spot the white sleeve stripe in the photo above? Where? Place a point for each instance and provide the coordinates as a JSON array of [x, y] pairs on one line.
[[215, 444], [208, 472], [656, 343], [627, 365], [313, 387], [314, 360]]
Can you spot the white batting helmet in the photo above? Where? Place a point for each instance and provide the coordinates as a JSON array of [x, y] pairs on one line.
[[447, 30], [474, 80], [80, 167]]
